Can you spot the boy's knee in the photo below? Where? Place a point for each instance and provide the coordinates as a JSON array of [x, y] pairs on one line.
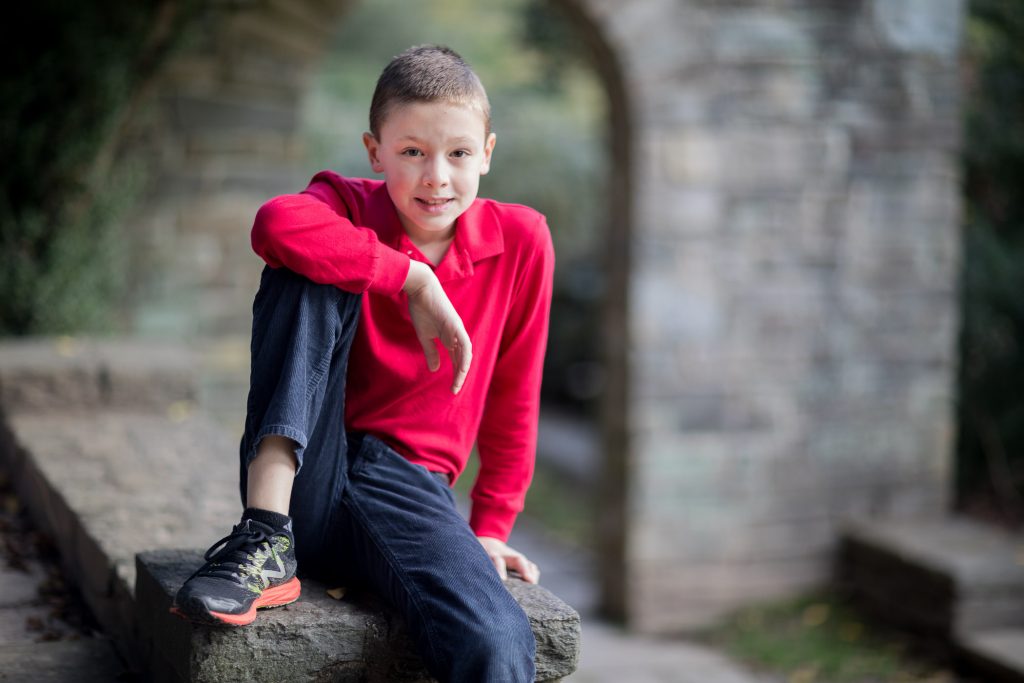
[[285, 293]]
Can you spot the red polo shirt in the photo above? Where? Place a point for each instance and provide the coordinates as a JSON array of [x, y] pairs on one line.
[[498, 275]]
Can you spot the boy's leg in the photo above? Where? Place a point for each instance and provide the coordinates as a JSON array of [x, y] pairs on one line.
[[301, 337], [406, 539], [300, 341]]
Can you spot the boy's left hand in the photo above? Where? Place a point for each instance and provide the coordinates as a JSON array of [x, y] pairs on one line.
[[505, 558]]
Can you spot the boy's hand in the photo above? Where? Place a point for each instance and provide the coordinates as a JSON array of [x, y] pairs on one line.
[[505, 558], [434, 317]]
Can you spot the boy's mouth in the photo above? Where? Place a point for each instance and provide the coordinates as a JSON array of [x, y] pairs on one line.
[[434, 204]]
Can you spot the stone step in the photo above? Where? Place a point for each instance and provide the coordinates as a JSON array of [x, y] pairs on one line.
[[941, 577], [107, 485], [316, 638], [999, 654]]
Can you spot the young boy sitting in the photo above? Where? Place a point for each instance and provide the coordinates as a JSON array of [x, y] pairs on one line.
[[348, 431]]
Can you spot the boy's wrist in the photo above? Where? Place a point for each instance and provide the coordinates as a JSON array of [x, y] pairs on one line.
[[418, 277]]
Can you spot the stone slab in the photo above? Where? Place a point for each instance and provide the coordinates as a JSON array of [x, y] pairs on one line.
[[945, 576], [998, 653], [88, 660], [316, 638]]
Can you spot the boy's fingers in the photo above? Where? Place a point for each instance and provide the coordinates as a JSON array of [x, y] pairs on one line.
[[499, 564], [430, 351], [462, 356], [526, 569]]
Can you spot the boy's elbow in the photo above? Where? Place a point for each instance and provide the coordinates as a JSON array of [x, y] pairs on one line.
[[266, 226]]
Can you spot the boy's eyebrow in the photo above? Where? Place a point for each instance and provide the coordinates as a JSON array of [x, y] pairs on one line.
[[461, 139]]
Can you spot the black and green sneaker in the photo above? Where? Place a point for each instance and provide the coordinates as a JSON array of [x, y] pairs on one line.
[[251, 568]]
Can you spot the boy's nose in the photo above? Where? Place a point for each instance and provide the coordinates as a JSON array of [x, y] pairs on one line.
[[436, 174]]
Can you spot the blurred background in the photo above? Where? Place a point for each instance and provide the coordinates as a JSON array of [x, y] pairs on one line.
[[790, 247]]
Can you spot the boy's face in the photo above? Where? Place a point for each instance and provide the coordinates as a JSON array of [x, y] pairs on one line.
[[432, 155]]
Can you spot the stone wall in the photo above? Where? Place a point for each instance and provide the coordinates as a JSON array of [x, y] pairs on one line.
[[783, 264], [792, 300]]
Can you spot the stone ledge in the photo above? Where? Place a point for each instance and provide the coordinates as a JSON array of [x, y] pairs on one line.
[[315, 639], [66, 373], [110, 475]]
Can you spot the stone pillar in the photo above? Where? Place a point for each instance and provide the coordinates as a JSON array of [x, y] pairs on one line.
[[791, 305]]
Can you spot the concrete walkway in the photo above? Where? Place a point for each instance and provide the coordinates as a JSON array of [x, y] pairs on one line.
[[608, 654], [44, 631]]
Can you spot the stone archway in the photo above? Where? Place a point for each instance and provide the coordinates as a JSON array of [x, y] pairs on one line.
[[784, 246]]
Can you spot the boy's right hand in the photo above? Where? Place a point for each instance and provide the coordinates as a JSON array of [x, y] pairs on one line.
[[434, 317]]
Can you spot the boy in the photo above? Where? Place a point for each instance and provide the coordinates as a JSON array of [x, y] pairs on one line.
[[348, 431]]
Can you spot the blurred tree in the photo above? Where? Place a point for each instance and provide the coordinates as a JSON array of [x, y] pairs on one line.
[[990, 450], [70, 71]]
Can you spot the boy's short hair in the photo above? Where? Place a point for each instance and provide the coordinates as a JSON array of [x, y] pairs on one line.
[[427, 73]]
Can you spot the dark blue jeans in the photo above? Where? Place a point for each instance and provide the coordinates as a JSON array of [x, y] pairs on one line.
[[362, 512]]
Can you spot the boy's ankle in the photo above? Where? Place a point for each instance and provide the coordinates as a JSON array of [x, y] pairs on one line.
[[272, 519]]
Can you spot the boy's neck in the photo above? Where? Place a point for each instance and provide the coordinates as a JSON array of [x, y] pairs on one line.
[[434, 251], [432, 245]]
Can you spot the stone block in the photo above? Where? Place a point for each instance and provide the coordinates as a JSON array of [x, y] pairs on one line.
[[759, 36], [316, 638], [920, 26], [943, 578], [998, 654]]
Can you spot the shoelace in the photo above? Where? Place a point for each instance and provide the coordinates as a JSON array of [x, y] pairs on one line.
[[226, 555]]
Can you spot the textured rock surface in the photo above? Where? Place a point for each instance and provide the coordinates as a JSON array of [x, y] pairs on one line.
[[317, 638]]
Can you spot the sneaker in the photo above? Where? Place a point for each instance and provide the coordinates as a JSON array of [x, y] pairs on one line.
[[250, 569]]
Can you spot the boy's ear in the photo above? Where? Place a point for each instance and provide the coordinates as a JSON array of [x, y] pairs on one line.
[[373, 152], [488, 149]]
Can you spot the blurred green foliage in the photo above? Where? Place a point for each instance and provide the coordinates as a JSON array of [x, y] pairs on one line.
[[70, 71], [549, 112], [991, 384]]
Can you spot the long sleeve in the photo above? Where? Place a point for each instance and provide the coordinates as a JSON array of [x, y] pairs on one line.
[[507, 439], [313, 234]]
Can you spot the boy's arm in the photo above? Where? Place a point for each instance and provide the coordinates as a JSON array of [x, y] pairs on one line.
[[507, 439], [311, 234]]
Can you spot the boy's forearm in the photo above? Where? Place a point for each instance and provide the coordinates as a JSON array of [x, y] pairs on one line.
[[302, 233]]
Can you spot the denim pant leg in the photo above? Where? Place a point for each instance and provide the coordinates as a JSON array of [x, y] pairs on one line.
[[411, 545], [301, 336]]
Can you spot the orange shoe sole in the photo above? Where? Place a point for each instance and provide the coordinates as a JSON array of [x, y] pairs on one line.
[[278, 596]]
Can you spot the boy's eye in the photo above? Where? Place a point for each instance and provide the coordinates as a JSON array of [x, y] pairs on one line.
[[411, 152], [460, 153]]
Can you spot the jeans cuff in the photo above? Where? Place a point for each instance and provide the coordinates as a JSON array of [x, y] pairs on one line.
[[295, 435]]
